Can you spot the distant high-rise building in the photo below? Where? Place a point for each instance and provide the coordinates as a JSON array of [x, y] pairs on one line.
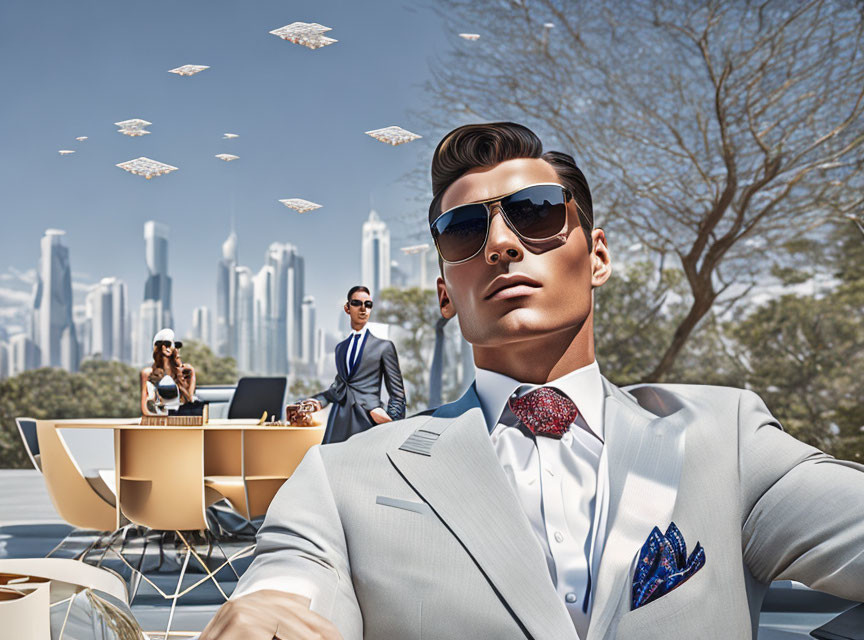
[[245, 328], [155, 312], [226, 298], [263, 355], [23, 354], [53, 329], [287, 290], [201, 325], [375, 254], [307, 354], [4, 360], [107, 321]]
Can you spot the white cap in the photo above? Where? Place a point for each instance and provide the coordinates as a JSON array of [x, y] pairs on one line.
[[164, 334]]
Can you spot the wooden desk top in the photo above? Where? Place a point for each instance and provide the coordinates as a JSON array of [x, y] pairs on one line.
[[220, 424]]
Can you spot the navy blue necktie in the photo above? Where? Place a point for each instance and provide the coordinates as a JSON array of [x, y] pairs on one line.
[[352, 359]]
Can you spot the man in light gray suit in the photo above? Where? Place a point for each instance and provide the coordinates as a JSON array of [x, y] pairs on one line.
[[362, 362], [535, 506]]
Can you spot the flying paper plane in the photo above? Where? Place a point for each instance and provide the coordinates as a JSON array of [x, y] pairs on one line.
[[146, 167], [81, 138], [308, 34], [469, 36], [188, 69], [300, 205], [393, 135], [230, 136], [65, 152], [134, 127], [227, 157]]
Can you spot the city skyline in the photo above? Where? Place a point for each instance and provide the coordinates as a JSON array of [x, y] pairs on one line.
[[304, 138]]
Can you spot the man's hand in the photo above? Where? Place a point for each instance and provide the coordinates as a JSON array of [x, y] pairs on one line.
[[317, 403], [380, 416], [268, 614]]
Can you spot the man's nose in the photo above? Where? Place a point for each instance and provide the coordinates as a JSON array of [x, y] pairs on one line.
[[502, 243]]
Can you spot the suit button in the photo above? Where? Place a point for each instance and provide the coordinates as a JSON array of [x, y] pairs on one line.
[[570, 598], [559, 537]]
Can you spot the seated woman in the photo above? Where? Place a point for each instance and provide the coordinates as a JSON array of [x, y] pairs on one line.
[[168, 385]]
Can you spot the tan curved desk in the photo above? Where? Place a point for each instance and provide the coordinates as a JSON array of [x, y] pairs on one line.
[[166, 476]]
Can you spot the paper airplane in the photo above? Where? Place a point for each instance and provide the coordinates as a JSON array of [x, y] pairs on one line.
[[227, 157], [393, 135], [81, 138], [134, 127], [469, 36], [229, 136], [146, 167], [308, 34], [188, 69], [300, 205], [65, 152]]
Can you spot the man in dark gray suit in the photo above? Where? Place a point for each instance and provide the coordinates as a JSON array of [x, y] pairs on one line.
[[362, 360]]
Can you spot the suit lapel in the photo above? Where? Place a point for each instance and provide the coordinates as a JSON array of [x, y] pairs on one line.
[[464, 484], [645, 456], [341, 354]]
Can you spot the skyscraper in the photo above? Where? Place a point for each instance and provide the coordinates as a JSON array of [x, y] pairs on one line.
[[155, 312], [23, 354], [201, 325], [263, 319], [375, 254], [53, 329], [4, 360], [108, 320], [307, 354], [245, 328], [287, 291], [226, 298]]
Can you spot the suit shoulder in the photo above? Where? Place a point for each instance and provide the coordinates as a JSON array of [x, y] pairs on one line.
[[664, 399], [374, 441]]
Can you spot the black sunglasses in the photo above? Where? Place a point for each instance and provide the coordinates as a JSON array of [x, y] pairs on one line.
[[534, 213], [167, 343], [361, 303]]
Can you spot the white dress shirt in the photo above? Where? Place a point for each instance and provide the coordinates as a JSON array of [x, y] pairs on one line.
[[362, 337], [556, 481]]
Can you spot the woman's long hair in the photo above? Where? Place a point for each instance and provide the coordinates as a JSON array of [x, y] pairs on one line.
[[174, 367]]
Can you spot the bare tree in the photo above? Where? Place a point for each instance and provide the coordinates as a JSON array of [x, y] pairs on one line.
[[711, 130]]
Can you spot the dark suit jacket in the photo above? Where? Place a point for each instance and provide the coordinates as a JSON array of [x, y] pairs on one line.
[[356, 395]]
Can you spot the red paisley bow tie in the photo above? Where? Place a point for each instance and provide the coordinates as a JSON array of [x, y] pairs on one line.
[[545, 411]]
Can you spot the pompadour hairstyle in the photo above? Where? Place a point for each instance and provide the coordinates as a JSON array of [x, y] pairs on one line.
[[355, 289], [484, 145]]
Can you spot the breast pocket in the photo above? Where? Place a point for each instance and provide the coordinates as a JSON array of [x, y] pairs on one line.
[[677, 612]]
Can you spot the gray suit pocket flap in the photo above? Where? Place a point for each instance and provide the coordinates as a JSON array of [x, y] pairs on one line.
[[416, 507]]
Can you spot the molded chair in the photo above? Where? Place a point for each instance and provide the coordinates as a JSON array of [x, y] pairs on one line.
[[254, 396], [27, 429], [82, 501]]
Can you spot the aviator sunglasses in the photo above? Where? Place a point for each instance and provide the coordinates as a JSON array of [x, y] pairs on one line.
[[167, 343], [534, 213], [361, 303]]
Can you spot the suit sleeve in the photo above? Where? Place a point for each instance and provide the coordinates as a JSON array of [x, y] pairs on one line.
[[802, 515], [393, 380], [327, 396], [301, 549]]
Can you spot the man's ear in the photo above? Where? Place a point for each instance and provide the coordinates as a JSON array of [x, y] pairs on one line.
[[347, 310], [444, 302], [601, 260]]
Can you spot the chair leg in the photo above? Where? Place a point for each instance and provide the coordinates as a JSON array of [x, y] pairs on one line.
[[176, 595], [209, 573], [138, 572]]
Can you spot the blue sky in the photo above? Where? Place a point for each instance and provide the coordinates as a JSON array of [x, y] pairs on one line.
[[73, 69]]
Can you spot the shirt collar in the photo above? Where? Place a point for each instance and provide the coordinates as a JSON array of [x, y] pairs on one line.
[[361, 333], [583, 386]]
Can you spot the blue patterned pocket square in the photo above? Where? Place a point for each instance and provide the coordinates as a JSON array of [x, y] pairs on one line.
[[663, 565]]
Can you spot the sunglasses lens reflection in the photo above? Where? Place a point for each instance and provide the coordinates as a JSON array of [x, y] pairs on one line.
[[537, 212], [460, 233]]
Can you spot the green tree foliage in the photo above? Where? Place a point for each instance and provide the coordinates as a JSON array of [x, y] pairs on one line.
[[210, 369], [99, 390], [415, 312]]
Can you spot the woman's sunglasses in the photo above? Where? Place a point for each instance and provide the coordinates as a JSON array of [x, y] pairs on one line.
[[534, 213], [361, 303], [167, 343]]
